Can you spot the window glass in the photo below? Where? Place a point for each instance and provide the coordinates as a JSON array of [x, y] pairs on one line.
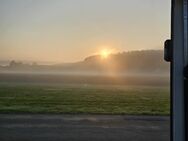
[[70, 67]]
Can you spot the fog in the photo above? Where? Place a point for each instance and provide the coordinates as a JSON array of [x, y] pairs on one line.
[[145, 67]]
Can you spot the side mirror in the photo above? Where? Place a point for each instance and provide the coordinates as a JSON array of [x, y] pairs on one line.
[[168, 51]]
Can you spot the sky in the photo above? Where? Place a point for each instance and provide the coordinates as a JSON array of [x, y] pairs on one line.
[[70, 30]]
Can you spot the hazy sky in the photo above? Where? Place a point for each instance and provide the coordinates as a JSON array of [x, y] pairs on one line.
[[70, 30]]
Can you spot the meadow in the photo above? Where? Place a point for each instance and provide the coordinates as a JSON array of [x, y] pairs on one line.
[[84, 99]]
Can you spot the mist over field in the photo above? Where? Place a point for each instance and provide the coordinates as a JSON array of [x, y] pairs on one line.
[[129, 68], [135, 83], [133, 62]]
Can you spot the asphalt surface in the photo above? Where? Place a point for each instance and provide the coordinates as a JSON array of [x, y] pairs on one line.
[[83, 128]]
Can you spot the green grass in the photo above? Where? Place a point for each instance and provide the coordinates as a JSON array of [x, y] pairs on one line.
[[84, 100]]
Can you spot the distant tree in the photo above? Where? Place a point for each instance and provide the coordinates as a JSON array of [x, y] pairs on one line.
[[15, 64], [34, 64], [12, 63]]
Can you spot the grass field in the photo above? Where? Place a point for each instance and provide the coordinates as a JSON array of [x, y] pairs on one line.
[[84, 99]]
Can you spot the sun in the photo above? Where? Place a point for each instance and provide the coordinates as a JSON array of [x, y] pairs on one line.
[[105, 53]]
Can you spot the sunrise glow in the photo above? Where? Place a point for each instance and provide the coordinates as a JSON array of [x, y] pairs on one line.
[[105, 53]]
